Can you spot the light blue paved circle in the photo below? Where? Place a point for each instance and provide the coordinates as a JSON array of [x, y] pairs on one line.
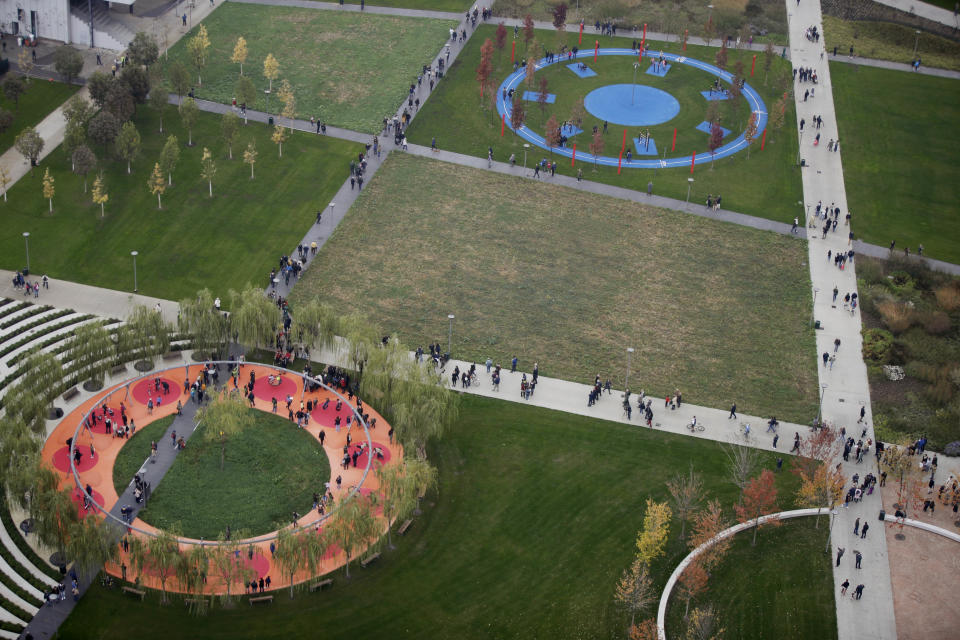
[[631, 105]]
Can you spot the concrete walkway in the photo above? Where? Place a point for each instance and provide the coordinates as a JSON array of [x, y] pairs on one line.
[[924, 10], [844, 386], [369, 8]]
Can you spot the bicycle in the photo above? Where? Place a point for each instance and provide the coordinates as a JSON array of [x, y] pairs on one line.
[[694, 427]]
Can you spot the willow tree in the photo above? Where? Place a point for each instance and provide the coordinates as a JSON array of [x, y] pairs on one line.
[[137, 556], [52, 509], [398, 495], [42, 373], [353, 525], [144, 336], [191, 571], [387, 375], [253, 316], [315, 324], [315, 550], [19, 454], [360, 337], [291, 553], [90, 544], [224, 418], [200, 318], [422, 408], [224, 561], [163, 553], [92, 350]]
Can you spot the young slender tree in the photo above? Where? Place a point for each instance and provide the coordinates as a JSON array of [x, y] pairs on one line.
[[559, 13], [197, 48], [25, 62], [138, 556], [193, 564], [246, 93], [278, 138], [100, 195], [291, 553], [179, 80], [715, 142], [750, 134], [4, 181], [759, 498], [223, 558], [577, 112], [158, 96], [708, 32], [692, 582], [353, 525], [707, 524], [652, 539], [30, 145], [596, 147], [157, 184], [271, 70], [485, 68], [49, 189], [239, 55], [528, 32], [163, 552], [68, 62], [145, 336], [250, 156], [768, 55], [128, 143], [289, 102], [84, 161], [552, 133], [316, 546], [646, 630], [13, 88], [704, 624], [224, 419], [398, 496], [635, 591], [721, 56], [542, 96], [517, 113], [91, 350], [531, 69], [90, 544], [208, 168], [200, 319], [741, 463], [686, 489], [189, 113], [169, 156], [823, 488], [254, 317], [500, 39]]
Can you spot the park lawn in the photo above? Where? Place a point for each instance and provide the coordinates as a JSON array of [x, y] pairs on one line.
[[348, 69], [729, 17], [888, 41], [535, 518], [41, 97], [570, 279], [758, 592], [137, 449], [272, 469], [767, 185], [456, 6], [194, 241], [899, 165]]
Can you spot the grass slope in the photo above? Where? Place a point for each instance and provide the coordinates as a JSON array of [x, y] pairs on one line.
[[40, 99], [888, 41], [136, 450], [194, 241], [535, 519], [346, 68], [272, 469], [899, 166], [767, 185], [569, 279]]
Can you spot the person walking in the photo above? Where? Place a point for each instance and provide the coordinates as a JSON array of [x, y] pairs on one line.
[[840, 552], [858, 592], [859, 557], [844, 585], [863, 531], [733, 412], [856, 527]]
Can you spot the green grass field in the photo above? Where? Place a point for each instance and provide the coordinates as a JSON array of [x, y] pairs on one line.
[[888, 41], [346, 68], [898, 161], [456, 6], [136, 450], [272, 469], [758, 594], [570, 279], [535, 519], [194, 241], [767, 184], [41, 97]]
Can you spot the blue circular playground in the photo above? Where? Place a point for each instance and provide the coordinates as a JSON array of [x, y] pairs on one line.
[[632, 105]]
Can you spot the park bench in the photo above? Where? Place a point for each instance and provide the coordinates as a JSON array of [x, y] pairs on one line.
[[320, 584], [261, 599], [403, 528], [371, 558], [135, 592], [190, 601], [173, 355], [70, 394], [120, 368]]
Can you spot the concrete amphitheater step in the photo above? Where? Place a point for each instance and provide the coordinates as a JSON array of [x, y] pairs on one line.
[[19, 580], [20, 557]]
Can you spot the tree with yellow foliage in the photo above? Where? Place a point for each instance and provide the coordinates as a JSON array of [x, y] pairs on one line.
[[197, 47], [653, 537], [157, 184], [100, 195], [48, 189], [250, 156], [239, 53], [271, 69], [279, 136], [208, 168]]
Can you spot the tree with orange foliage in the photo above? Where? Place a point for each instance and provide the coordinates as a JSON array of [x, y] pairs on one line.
[[635, 591], [552, 133], [707, 523], [822, 489], [821, 446], [517, 113], [528, 34], [486, 64], [500, 39], [759, 498], [531, 69], [693, 582], [646, 630]]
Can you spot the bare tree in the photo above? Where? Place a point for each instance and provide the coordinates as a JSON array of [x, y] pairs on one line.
[[741, 463], [687, 493]]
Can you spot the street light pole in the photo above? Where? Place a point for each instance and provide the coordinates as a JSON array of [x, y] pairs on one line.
[[813, 310], [525, 147], [636, 65], [26, 241], [450, 334], [689, 185], [332, 205], [799, 147], [626, 383], [134, 254], [823, 389], [916, 44]]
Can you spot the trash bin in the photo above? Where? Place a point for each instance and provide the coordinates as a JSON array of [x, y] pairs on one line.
[[270, 121], [883, 515]]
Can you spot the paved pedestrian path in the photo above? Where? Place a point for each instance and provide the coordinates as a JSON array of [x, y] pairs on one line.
[[844, 386], [925, 10], [369, 8]]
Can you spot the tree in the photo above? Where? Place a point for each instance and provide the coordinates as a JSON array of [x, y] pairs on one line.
[[145, 335], [652, 539], [53, 513], [225, 418], [191, 570], [552, 133], [74, 137], [721, 56], [137, 556], [189, 113], [596, 147], [163, 554], [137, 81], [6, 120], [486, 64], [528, 33], [13, 88], [768, 55], [823, 488], [208, 168], [759, 498], [290, 553], [143, 49], [531, 69], [254, 317], [84, 161], [179, 80], [25, 62], [90, 544], [707, 524], [157, 184], [42, 374], [635, 591], [715, 142], [246, 93], [250, 156], [741, 463], [226, 565], [315, 548], [29, 144], [353, 525], [778, 114], [98, 84], [271, 70], [500, 39], [702, 624], [289, 101], [397, 495], [316, 325], [200, 319], [279, 135], [158, 96], [119, 101], [77, 109], [68, 62], [517, 113], [750, 134], [197, 49], [104, 129], [48, 187], [578, 112], [646, 630], [239, 53], [687, 493], [229, 127], [692, 582], [100, 195], [4, 181], [559, 12], [169, 156], [542, 96], [128, 143], [708, 32]]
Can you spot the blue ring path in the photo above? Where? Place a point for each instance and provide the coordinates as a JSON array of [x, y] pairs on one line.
[[739, 144]]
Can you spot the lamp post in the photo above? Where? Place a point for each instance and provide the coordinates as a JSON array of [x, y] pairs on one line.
[[525, 147], [626, 382], [134, 254], [450, 334], [26, 242], [689, 185], [813, 309], [916, 43], [799, 147], [332, 205], [636, 65], [823, 389]]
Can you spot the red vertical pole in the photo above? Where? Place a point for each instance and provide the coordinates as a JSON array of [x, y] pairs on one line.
[[673, 147], [580, 39], [624, 145], [503, 124], [481, 89], [693, 161], [619, 161], [763, 140], [753, 65], [643, 40], [513, 50], [596, 49], [685, 32], [573, 160]]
